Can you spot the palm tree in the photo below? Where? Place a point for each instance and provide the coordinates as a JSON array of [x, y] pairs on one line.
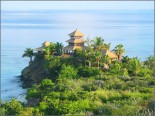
[[88, 42], [98, 58], [150, 62], [106, 59], [79, 54], [119, 50], [47, 50], [89, 55], [28, 53], [134, 65], [107, 46], [84, 55], [52, 47], [58, 48], [98, 43], [125, 59]]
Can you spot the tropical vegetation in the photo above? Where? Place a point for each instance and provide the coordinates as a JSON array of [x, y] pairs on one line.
[[28, 53], [88, 83]]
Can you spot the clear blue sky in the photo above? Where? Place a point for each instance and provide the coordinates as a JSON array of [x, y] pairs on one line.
[[31, 5]]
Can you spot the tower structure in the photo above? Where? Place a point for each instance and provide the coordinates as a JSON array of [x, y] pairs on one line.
[[76, 41]]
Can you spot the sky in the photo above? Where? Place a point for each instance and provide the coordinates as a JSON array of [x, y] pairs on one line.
[[76, 5]]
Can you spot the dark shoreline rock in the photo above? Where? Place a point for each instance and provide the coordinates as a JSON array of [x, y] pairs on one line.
[[33, 73]]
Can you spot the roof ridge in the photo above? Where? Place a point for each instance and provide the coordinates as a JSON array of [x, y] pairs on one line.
[[76, 33]]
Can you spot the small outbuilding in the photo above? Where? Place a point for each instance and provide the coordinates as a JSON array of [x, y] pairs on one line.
[[40, 49]]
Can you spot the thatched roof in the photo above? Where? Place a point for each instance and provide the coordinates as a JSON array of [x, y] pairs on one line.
[[46, 43], [76, 33], [75, 47], [39, 49], [76, 41], [109, 53]]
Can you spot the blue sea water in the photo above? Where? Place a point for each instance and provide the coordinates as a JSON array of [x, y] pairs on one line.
[[22, 29]]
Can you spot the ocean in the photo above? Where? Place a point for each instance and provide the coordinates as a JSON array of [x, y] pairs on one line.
[[23, 29]]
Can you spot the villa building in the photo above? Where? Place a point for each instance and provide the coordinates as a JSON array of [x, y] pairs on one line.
[[76, 41]]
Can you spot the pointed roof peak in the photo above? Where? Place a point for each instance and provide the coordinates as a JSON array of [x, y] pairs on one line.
[[76, 33], [46, 43]]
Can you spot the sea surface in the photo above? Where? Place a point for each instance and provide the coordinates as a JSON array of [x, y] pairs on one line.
[[23, 29]]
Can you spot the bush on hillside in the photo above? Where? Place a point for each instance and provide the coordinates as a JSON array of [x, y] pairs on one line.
[[88, 71]]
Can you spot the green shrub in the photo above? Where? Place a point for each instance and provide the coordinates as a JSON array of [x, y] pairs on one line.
[[46, 84], [43, 106], [33, 93], [115, 67], [105, 110], [145, 72], [124, 78], [130, 83], [54, 95], [146, 90], [68, 72], [2, 111], [150, 81], [13, 107], [114, 83], [114, 97], [126, 110], [151, 103], [145, 112], [88, 71], [134, 66], [125, 95], [27, 111]]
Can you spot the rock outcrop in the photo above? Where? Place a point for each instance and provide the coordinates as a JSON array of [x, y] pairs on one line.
[[33, 73]]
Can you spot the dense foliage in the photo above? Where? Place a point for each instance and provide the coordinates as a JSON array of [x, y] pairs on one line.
[[81, 85]]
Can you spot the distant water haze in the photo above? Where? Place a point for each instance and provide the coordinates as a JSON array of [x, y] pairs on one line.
[[22, 29]]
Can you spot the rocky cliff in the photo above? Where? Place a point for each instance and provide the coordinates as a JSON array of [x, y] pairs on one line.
[[33, 73]]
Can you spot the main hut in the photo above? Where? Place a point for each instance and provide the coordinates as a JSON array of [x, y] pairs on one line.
[[76, 41]]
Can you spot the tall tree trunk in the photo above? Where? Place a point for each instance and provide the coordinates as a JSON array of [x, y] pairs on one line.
[[30, 59], [89, 63], [119, 57], [98, 64]]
